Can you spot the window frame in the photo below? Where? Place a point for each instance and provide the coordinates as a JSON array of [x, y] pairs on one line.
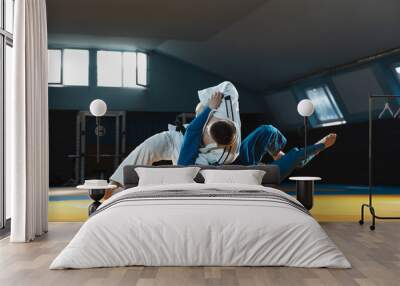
[[61, 83], [6, 39], [137, 69], [335, 106], [137, 85]]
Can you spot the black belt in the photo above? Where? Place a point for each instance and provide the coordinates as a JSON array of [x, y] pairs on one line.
[[180, 127]]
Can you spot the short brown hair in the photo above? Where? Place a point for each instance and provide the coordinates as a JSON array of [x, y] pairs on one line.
[[223, 132]]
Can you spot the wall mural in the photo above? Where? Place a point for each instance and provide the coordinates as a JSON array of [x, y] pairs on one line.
[[150, 100]]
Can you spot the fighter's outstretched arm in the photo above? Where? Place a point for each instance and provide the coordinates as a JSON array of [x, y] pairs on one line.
[[192, 139]]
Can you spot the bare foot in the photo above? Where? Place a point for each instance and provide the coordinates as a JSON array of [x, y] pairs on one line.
[[329, 140]]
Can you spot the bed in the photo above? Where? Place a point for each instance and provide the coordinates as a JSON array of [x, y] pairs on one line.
[[198, 224]]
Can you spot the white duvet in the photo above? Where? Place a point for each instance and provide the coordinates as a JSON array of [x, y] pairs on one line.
[[200, 231]]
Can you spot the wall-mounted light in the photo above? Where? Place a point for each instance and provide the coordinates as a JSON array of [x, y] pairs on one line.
[[305, 108], [98, 108]]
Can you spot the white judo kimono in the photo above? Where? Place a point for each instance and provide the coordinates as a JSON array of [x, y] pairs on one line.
[[163, 146], [166, 145]]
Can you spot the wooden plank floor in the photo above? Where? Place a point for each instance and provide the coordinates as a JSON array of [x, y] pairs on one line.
[[375, 257]]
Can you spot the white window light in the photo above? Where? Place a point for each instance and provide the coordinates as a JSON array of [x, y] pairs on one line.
[[9, 13], [76, 67], [109, 69], [8, 94], [397, 69], [142, 69], [129, 69], [326, 109], [121, 69], [54, 66], [340, 122], [68, 67]]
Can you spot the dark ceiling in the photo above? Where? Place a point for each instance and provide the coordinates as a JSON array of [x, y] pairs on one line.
[[256, 43]]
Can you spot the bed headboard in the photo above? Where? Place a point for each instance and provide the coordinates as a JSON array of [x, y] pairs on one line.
[[271, 177]]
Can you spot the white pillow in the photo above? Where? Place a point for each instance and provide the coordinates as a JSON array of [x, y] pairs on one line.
[[166, 176], [248, 177]]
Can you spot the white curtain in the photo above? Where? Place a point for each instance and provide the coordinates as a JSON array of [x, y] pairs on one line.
[[27, 123]]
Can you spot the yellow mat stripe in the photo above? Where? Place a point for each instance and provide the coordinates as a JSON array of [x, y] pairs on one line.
[[326, 208]]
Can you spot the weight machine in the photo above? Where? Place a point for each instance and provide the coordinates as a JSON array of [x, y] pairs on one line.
[[81, 154]]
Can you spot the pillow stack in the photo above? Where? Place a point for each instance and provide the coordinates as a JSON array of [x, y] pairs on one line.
[[165, 176]]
